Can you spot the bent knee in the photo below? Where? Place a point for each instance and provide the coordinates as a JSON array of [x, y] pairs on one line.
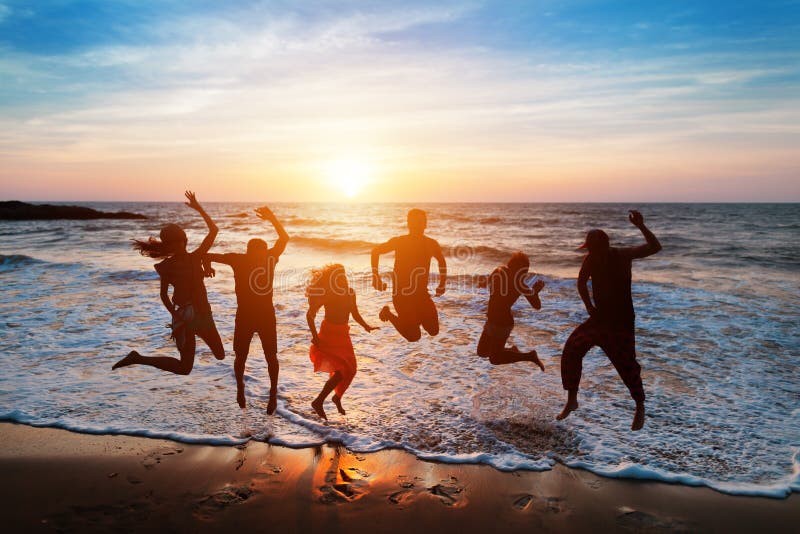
[[413, 336]]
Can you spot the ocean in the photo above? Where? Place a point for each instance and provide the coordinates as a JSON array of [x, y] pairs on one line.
[[717, 337]]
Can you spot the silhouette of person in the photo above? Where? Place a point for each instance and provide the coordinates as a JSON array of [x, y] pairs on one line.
[[506, 285], [611, 317], [253, 274], [412, 259], [189, 307], [331, 349]]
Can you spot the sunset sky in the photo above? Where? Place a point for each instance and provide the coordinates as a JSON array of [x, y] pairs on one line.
[[408, 101]]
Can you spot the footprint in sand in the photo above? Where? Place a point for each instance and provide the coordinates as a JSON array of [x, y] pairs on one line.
[[523, 502], [208, 506], [449, 492], [555, 505], [638, 521], [154, 457]]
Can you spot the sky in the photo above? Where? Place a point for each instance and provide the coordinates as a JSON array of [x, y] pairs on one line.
[[548, 101]]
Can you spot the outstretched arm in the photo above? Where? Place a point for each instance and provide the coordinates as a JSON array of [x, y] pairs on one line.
[[648, 249], [383, 248], [208, 270], [313, 307], [266, 214], [357, 315], [212, 228], [583, 289], [437, 253]]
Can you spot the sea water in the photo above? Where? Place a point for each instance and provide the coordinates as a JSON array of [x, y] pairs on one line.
[[717, 337]]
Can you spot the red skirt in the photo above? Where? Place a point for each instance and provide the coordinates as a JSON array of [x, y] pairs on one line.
[[335, 353]]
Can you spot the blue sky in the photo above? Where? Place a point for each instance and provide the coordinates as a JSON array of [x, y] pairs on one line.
[[641, 100]]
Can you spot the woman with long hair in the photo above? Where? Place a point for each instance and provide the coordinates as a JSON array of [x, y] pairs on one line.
[[331, 349], [189, 307]]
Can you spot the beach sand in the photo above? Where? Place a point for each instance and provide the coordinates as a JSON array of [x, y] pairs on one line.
[[55, 480]]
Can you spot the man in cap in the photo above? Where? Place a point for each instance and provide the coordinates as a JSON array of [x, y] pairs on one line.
[[611, 317]]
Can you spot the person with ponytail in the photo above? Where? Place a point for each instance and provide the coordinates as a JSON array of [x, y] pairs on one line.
[[188, 305]]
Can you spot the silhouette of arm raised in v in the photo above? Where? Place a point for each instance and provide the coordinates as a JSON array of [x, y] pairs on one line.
[[648, 249], [265, 214], [212, 227]]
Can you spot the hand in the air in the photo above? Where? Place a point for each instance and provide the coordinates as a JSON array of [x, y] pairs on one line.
[[636, 218], [193, 203], [264, 213]]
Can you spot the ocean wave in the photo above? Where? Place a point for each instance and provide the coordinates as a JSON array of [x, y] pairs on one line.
[[13, 261], [129, 275]]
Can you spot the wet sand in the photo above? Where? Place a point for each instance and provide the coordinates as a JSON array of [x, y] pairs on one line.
[[54, 480]]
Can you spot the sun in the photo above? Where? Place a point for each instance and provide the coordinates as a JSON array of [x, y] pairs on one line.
[[349, 176]]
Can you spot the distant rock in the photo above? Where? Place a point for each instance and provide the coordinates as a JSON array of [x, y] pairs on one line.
[[14, 210]]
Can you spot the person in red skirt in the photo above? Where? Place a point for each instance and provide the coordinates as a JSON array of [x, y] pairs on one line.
[[331, 349]]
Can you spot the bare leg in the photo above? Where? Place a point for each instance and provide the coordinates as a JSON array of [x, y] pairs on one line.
[[274, 368], [570, 406], [332, 382], [338, 402], [507, 356], [238, 369], [411, 333], [212, 339], [638, 416], [182, 366]]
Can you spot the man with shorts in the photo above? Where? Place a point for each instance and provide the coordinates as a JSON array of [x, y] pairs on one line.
[[412, 259], [610, 325], [253, 273], [506, 285]]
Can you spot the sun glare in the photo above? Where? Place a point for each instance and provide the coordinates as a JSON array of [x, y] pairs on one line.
[[349, 176]]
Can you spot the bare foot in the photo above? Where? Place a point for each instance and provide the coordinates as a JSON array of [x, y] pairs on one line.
[[317, 405], [130, 359], [338, 402], [535, 359], [273, 404], [638, 417], [384, 314], [569, 407], [240, 396]]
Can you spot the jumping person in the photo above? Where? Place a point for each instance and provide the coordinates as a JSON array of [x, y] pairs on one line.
[[253, 274], [412, 260], [506, 285], [189, 307], [331, 349], [611, 317]]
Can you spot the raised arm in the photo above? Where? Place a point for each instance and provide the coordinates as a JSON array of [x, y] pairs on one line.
[[583, 288], [212, 228], [648, 249], [313, 307], [264, 213], [357, 315], [437, 253], [383, 248]]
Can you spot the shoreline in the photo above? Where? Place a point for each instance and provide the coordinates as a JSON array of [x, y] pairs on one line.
[[61, 480]]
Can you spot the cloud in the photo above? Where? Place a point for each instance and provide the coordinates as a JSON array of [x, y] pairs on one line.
[[262, 88]]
